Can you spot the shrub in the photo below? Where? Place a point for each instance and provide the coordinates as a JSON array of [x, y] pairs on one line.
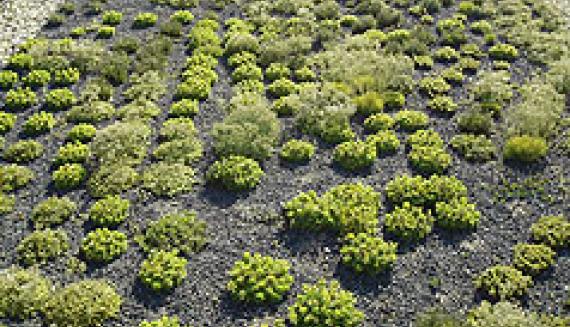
[[139, 110], [105, 32], [20, 98], [8, 79], [533, 258], [182, 232], [410, 120], [503, 282], [475, 122], [385, 142], [405, 188], [324, 303], [277, 71], [474, 147], [24, 151], [369, 103], [393, 100], [183, 151], [109, 211], [457, 214], [446, 54], [162, 270], [434, 86], [53, 211], [197, 89], [144, 20], [21, 61], [281, 87], [429, 160], [423, 138], [7, 203], [69, 176], [13, 177], [81, 133], [39, 123], [297, 151], [442, 103], [469, 65], [84, 303], [503, 52], [247, 71], [379, 122], [121, 143], [409, 222], [127, 44], [501, 314], [104, 245], [493, 91], [235, 173], [164, 179], [287, 105], [41, 246], [241, 42], [345, 208], [444, 189], [368, 254], [24, 292], [177, 128], [259, 279], [184, 108], [526, 149], [171, 28], [55, 20], [112, 17], [437, 318], [423, 62], [111, 180], [164, 321], [182, 16], [553, 231], [72, 153], [60, 99], [355, 155], [65, 77], [92, 112], [37, 78]]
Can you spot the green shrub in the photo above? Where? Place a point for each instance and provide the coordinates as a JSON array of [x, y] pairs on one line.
[[558, 75], [139, 110], [177, 128], [277, 71], [69, 176], [434, 86], [55, 20], [105, 32], [53, 211], [13, 177], [503, 282], [241, 42], [183, 151], [457, 214], [393, 100], [409, 222], [164, 321], [21, 61], [369, 103], [503, 52], [8, 79], [7, 203], [37, 78], [423, 62], [92, 112], [297, 151], [247, 71], [111, 180], [501, 314], [182, 232], [41, 246], [281, 87], [355, 155], [429, 160], [235, 173], [97, 89], [553, 231], [425, 138], [66, 77], [446, 54], [39, 123], [182, 16], [72, 153], [533, 258], [20, 98], [259, 279], [469, 65], [304, 74], [475, 122], [23, 151], [437, 318], [196, 89], [344, 208], [60, 99], [405, 188], [386, 142], [104, 245], [23, 292], [526, 149], [122, 143], [368, 254], [325, 303], [144, 20], [171, 28], [81, 133], [379, 122], [492, 91], [241, 58], [162, 270], [287, 105], [115, 69], [109, 211], [164, 179], [474, 147], [411, 120], [112, 17], [84, 303], [184, 108], [441, 103]]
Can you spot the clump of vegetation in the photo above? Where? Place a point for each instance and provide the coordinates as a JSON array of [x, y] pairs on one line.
[[441, 103], [501, 314], [457, 214], [163, 270], [525, 149], [41, 246], [386, 142], [322, 303], [379, 122], [164, 321], [411, 120], [112, 180], [39, 123], [533, 258], [81, 133], [112, 17], [355, 155], [20, 98], [475, 122], [553, 231], [297, 151], [235, 173], [104, 245], [409, 222], [184, 108], [366, 253], [182, 16], [164, 179], [13, 177], [503, 52], [121, 143], [7, 122], [369, 103], [474, 147], [259, 279], [23, 151], [8, 79], [429, 159], [72, 153], [69, 176], [37, 78], [53, 211], [144, 20], [60, 99], [7, 203], [24, 292], [503, 282], [109, 211], [182, 232]]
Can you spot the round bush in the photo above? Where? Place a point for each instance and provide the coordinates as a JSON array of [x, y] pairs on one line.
[[442, 104], [112, 180], [241, 42], [369, 103], [184, 108], [297, 151], [144, 20], [410, 120], [164, 321], [60, 99], [20, 98], [69, 176], [503, 282], [164, 179], [366, 253], [109, 211], [526, 149], [533, 258], [235, 173], [457, 214], [181, 232], [53, 211], [13, 177], [104, 245], [112, 17], [429, 160], [37, 78], [194, 89], [24, 151], [82, 304], [553, 231], [409, 222], [281, 87], [247, 71], [182, 16], [72, 153], [501, 314], [503, 52], [24, 292], [41, 246], [355, 155], [177, 128], [7, 203], [324, 304], [474, 147], [379, 122], [7, 121], [277, 71], [162, 270], [39, 123], [82, 133], [66, 77], [8, 79], [386, 142], [425, 138], [393, 100], [259, 279]]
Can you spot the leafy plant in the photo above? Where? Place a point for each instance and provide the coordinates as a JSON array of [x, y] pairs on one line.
[[13, 177], [526, 149], [501, 314], [434, 86], [72, 153], [411, 120], [164, 321], [24, 292], [104, 245], [37, 78], [112, 17], [52, 211], [503, 52], [20, 98], [163, 270], [41, 246], [24, 151], [106, 32], [81, 133], [66, 77], [369, 254], [386, 142], [184, 108], [297, 151], [109, 211], [111, 180], [379, 122], [409, 222], [235, 173], [355, 155], [441, 103], [369, 103], [8, 79], [429, 159], [503, 282], [457, 214], [474, 147], [533, 258], [425, 137], [121, 143], [553, 231], [144, 20], [475, 122], [181, 231], [39, 123], [60, 99], [182, 16], [7, 203], [91, 112], [164, 179], [69, 176]]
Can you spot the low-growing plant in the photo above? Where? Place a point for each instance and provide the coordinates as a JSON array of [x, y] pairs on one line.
[[475, 122], [112, 180], [139, 110], [39, 123], [13, 177], [24, 292], [474, 147], [23, 151], [501, 314], [442, 103], [109, 211], [532, 259], [553, 231], [434, 86], [409, 222], [144, 20], [105, 32], [171, 28], [181, 231], [183, 151], [287, 105], [104, 245], [37, 78], [469, 65], [66, 77], [429, 160], [366, 253], [21, 61], [127, 44], [235, 173], [177, 128], [503, 52], [369, 103], [196, 89], [355, 155], [81, 133], [457, 214], [92, 112], [75, 152], [425, 137], [52, 211], [60, 99], [386, 142], [241, 42], [297, 151], [20, 98], [393, 100], [247, 71], [162, 270], [503, 282], [164, 321], [259, 279], [112, 17], [437, 318], [525, 149], [182, 16], [423, 62], [55, 20], [41, 246], [7, 203], [184, 108], [164, 179], [7, 122], [69, 176], [411, 120], [8, 79], [379, 122], [282, 87], [121, 143], [277, 71], [446, 54]]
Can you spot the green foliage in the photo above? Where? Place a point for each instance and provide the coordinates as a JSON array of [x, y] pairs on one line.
[[164, 321], [492, 91], [13, 177], [105, 32], [8, 79], [184, 108], [147, 85], [282, 87], [81, 304], [91, 112], [553, 231], [287, 105], [474, 147], [457, 214], [23, 151], [436, 318], [533, 258], [109, 211], [369, 103], [171, 28], [525, 149], [441, 103], [177, 128], [379, 122], [446, 54], [558, 75], [183, 151], [355, 155], [241, 42], [369, 254], [386, 142], [164, 179], [21, 61], [121, 143], [277, 71], [429, 159], [37, 78], [325, 303], [39, 123], [7, 203], [259, 279], [344, 208], [235, 173], [182, 16], [425, 137], [393, 100], [196, 89], [423, 62], [111, 180], [503, 282], [501, 314], [139, 110], [53, 211], [60, 99], [424, 192], [475, 122], [144, 20], [81, 133], [66, 77], [69, 176], [162, 270], [409, 222], [247, 71], [20, 98], [434, 86], [104, 245], [55, 20], [72, 153], [411, 120], [128, 45], [469, 65], [297, 151], [112, 17], [41, 246], [181, 231], [503, 52], [23, 292]]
